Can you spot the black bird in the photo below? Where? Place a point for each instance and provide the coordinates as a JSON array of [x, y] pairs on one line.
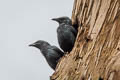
[[51, 53], [66, 33]]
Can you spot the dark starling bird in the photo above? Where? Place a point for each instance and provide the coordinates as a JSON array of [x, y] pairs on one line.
[[66, 33], [51, 53]]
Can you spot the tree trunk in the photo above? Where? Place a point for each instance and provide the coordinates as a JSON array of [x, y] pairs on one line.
[[96, 53]]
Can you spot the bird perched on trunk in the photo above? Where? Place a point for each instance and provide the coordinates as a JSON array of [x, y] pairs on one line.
[[51, 53], [66, 33]]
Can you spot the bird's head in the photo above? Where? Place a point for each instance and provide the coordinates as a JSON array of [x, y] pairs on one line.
[[64, 19], [40, 44]]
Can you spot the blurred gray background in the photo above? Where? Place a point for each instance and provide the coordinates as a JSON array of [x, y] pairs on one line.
[[23, 22]]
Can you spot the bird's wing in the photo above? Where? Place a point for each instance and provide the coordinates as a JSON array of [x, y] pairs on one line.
[[53, 58], [72, 29], [57, 50]]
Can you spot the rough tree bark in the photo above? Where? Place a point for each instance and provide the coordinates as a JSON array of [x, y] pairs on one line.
[[96, 53]]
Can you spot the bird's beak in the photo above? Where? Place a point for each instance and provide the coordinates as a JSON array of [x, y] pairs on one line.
[[55, 19], [32, 44]]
